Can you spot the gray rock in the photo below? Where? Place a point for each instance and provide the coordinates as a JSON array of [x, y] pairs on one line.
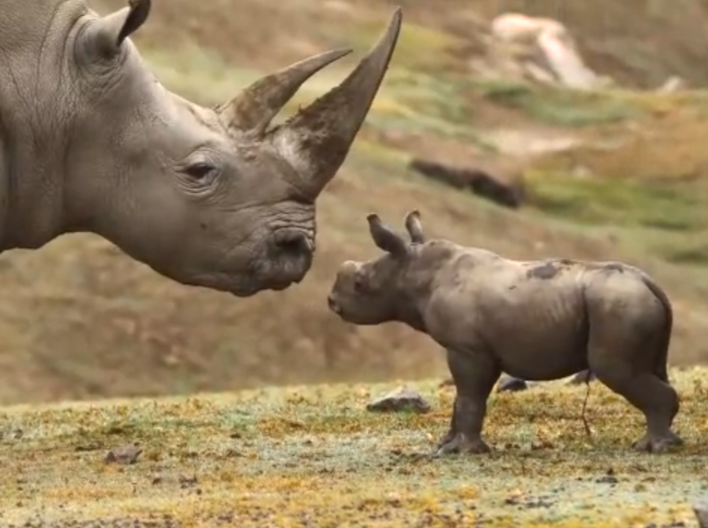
[[510, 384], [124, 455], [496, 181], [400, 400]]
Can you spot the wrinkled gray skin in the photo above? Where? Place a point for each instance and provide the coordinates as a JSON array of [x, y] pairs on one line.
[[537, 320], [211, 197]]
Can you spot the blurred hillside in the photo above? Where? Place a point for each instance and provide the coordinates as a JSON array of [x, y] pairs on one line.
[[616, 175]]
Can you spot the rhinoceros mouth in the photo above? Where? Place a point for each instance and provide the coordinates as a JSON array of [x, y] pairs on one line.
[[273, 276], [255, 287]]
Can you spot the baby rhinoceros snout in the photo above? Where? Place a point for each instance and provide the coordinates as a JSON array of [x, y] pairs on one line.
[[331, 301]]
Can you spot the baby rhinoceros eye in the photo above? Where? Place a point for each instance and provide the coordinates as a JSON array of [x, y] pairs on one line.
[[359, 286], [201, 172]]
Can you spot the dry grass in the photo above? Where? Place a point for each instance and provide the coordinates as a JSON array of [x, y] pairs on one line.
[[312, 456]]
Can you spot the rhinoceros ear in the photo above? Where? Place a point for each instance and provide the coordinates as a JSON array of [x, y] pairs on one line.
[[105, 35], [414, 227], [385, 238]]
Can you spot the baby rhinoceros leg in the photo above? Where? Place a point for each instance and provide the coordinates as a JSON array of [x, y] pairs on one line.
[[627, 351], [474, 375]]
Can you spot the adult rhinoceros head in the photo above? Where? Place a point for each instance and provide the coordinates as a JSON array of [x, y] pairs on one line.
[[208, 197]]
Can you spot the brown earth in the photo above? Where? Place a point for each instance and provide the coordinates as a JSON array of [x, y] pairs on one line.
[[78, 319]]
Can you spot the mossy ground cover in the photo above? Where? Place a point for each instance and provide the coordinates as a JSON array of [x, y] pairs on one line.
[[313, 456]]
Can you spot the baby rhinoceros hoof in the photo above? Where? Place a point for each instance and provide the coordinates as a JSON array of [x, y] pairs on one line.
[[462, 444], [652, 443]]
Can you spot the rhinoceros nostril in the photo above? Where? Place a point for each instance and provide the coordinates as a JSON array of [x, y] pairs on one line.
[[293, 242]]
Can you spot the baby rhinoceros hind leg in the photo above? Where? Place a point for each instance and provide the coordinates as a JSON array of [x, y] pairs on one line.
[[630, 329], [474, 375]]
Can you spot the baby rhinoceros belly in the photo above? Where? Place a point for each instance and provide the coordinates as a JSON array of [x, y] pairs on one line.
[[538, 329]]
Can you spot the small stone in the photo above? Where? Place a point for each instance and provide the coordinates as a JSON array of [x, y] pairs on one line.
[[124, 455], [497, 181], [700, 509], [509, 384], [399, 400], [514, 497]]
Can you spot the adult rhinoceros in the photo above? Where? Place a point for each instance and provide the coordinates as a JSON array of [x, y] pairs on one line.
[[92, 142]]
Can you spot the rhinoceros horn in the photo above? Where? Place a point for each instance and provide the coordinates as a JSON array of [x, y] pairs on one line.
[[107, 33], [316, 140], [255, 107]]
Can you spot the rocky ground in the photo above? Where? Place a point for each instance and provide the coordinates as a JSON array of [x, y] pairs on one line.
[[315, 456]]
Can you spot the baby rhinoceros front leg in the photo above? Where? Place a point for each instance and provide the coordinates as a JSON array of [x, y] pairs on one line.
[[474, 375]]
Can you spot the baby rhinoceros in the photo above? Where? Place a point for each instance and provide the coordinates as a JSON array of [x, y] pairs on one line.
[[536, 320]]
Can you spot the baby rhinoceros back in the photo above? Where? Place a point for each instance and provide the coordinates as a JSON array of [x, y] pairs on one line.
[[541, 320], [535, 319]]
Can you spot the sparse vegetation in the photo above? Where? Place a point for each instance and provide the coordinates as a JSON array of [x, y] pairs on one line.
[[560, 107], [281, 457], [670, 206]]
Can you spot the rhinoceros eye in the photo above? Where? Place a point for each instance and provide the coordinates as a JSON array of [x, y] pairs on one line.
[[200, 171]]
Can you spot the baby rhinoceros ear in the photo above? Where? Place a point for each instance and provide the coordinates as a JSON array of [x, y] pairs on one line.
[[414, 227], [385, 238]]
